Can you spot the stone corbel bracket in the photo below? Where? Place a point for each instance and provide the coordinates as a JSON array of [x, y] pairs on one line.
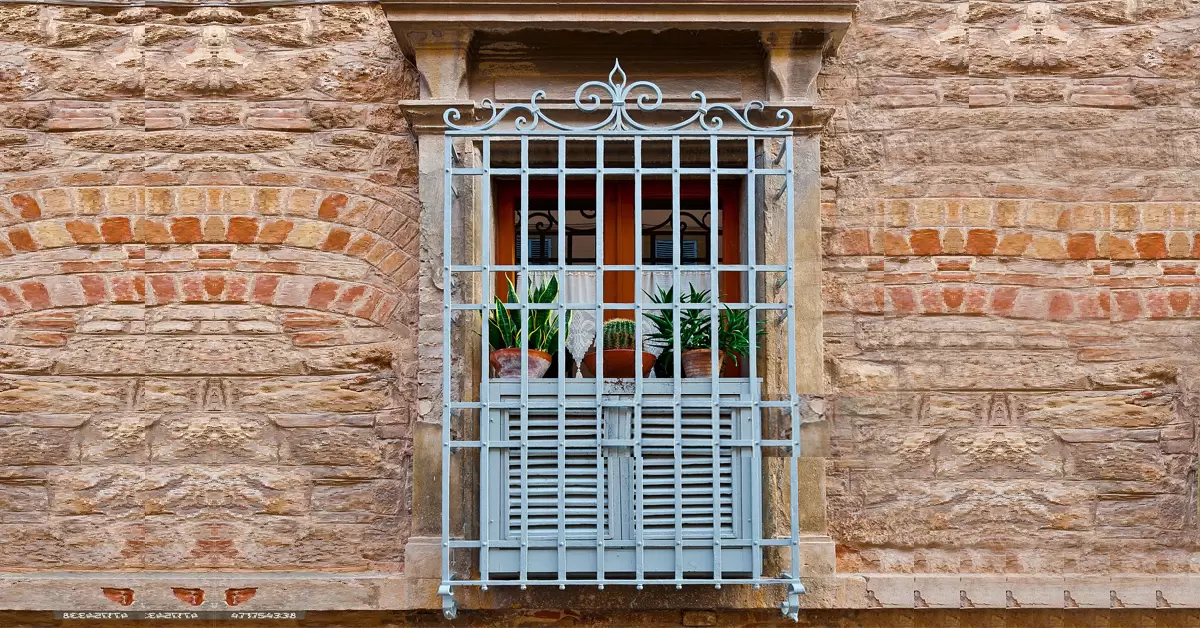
[[794, 59]]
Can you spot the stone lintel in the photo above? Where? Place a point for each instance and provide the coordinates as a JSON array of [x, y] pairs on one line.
[[829, 16]]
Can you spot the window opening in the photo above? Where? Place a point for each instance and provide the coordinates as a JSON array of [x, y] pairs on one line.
[[595, 478]]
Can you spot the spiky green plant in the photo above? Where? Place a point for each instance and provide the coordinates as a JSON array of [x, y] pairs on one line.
[[620, 333], [695, 326], [504, 327]]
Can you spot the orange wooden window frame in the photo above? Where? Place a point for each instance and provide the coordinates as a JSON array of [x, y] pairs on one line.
[[619, 227]]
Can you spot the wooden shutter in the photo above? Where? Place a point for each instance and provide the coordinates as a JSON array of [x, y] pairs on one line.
[[615, 486], [582, 487], [696, 476]]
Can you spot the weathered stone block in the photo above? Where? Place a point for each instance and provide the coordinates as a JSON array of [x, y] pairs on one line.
[[910, 452], [358, 498], [213, 437], [236, 490], [1094, 410], [353, 359], [1140, 462], [161, 395], [1128, 512], [113, 490], [333, 446], [183, 356], [23, 496], [330, 394], [118, 438], [999, 453], [61, 394]]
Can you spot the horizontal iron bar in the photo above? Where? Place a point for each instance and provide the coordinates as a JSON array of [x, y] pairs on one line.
[[613, 170], [619, 582], [621, 133], [646, 268], [544, 542], [612, 403], [652, 307], [547, 542], [591, 444]]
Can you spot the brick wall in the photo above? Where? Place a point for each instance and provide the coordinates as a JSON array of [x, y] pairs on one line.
[[1012, 229], [207, 253]]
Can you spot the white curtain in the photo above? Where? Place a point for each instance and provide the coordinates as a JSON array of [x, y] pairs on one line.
[[580, 287]]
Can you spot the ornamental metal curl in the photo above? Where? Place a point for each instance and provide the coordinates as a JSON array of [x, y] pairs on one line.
[[592, 96]]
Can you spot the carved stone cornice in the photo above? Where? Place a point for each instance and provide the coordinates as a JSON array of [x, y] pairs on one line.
[[829, 16]]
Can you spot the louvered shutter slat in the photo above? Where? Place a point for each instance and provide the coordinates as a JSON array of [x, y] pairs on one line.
[[695, 477], [582, 488]]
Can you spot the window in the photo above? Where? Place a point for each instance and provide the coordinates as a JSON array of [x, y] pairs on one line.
[[620, 229], [585, 476]]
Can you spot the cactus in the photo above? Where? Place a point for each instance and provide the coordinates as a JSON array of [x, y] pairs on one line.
[[620, 333]]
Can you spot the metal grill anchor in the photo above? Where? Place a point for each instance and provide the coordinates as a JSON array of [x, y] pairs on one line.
[[791, 606], [449, 605]]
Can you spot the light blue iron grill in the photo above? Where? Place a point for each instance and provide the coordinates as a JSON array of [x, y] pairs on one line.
[[641, 481]]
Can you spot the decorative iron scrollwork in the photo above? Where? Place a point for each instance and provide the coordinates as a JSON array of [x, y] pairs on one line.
[[592, 96]]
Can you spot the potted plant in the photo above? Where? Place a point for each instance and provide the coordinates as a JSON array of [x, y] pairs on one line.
[[695, 334], [504, 332], [619, 339]]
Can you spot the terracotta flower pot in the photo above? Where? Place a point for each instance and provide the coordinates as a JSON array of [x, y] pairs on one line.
[[697, 363], [620, 363], [506, 363]]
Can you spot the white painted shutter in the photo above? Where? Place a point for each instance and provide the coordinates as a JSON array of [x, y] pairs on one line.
[[585, 491], [582, 487], [696, 477]]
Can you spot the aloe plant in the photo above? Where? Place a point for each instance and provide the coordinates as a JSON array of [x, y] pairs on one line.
[[504, 328]]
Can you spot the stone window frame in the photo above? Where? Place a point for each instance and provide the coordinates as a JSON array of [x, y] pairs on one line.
[[795, 45]]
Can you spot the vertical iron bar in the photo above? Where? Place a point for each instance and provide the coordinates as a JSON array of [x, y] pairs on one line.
[[714, 213], [755, 391], [562, 358], [523, 285], [676, 411], [485, 416], [447, 397], [601, 486], [639, 471], [791, 339]]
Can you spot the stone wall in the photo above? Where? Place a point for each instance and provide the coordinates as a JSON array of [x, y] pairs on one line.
[[1012, 229], [207, 252], [208, 311]]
